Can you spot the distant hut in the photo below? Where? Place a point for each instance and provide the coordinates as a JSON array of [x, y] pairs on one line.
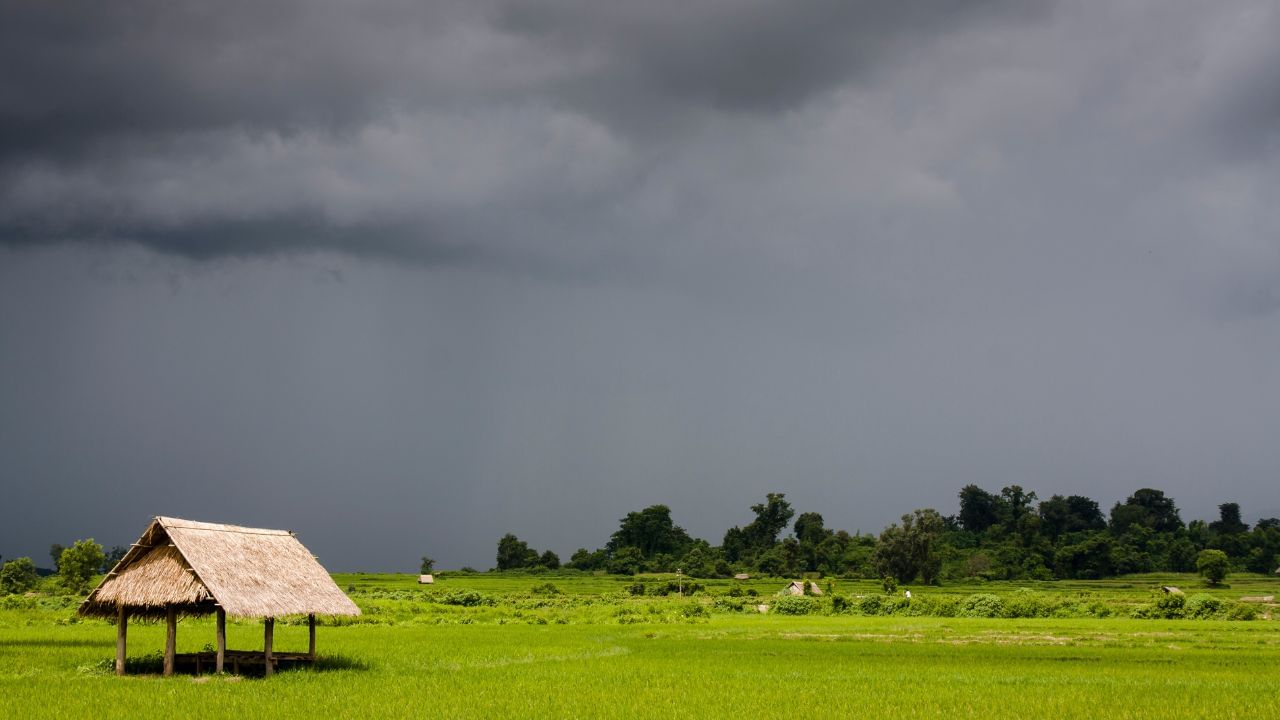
[[182, 567], [1171, 590], [742, 576], [426, 580], [799, 588]]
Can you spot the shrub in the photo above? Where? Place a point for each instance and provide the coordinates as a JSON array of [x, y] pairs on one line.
[[840, 605], [1026, 603], [545, 589], [18, 576], [1205, 607], [465, 598], [1243, 611], [871, 604], [690, 611], [982, 605], [730, 604], [1171, 606], [636, 588], [793, 605]]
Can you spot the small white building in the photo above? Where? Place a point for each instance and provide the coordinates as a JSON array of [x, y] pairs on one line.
[[426, 580]]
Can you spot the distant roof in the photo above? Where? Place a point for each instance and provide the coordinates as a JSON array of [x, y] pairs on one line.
[[198, 567]]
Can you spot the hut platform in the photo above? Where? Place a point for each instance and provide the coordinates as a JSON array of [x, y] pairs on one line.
[[239, 661]]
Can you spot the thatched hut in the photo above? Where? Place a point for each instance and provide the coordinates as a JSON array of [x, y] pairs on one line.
[[182, 567], [801, 587]]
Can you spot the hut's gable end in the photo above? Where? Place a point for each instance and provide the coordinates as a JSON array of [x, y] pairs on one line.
[[156, 578]]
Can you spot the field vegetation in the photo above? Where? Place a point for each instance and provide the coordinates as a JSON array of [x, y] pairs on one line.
[[585, 645]]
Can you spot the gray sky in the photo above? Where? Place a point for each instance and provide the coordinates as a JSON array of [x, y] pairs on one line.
[[406, 278]]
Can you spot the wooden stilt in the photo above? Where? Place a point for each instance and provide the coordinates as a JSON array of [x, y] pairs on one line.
[[269, 625], [170, 641], [311, 627], [122, 631], [222, 640]]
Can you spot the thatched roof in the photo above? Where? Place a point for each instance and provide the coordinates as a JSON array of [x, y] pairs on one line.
[[798, 588], [197, 567]]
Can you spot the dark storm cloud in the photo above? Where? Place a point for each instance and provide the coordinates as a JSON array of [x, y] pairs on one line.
[[599, 255], [651, 59], [104, 108]]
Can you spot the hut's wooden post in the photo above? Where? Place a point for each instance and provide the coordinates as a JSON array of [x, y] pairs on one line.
[[269, 625], [222, 640], [170, 641], [122, 631], [311, 628]]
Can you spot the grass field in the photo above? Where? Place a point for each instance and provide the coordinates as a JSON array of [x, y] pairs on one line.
[[594, 650]]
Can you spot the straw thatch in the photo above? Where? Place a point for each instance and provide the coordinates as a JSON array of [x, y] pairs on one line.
[[197, 567], [801, 587]]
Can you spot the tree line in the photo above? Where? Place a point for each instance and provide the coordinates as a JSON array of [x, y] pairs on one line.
[[1005, 535], [74, 567]]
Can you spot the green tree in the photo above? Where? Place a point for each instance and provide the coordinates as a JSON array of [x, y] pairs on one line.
[[1229, 522], [427, 564], [1146, 507], [910, 549], [549, 560], [583, 559], [627, 561], [1213, 565], [1063, 515], [979, 509], [772, 517], [113, 556], [18, 576], [55, 552], [79, 563], [809, 528], [514, 553], [650, 531]]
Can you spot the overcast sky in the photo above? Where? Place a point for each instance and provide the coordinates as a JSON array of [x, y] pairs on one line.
[[404, 277]]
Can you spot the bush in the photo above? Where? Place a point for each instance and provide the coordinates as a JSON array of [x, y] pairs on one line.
[[465, 598], [1205, 607], [693, 610], [840, 605], [793, 605], [636, 588], [545, 589], [1171, 606], [871, 604], [1243, 611], [1026, 604], [18, 576], [982, 605]]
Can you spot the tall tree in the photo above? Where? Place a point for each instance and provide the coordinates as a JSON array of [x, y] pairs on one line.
[[772, 517], [514, 553], [79, 563], [1229, 522], [1148, 508], [650, 531], [911, 549], [1061, 515], [809, 528], [979, 509]]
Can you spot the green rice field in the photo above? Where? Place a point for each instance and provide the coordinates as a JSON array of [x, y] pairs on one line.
[[494, 645]]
